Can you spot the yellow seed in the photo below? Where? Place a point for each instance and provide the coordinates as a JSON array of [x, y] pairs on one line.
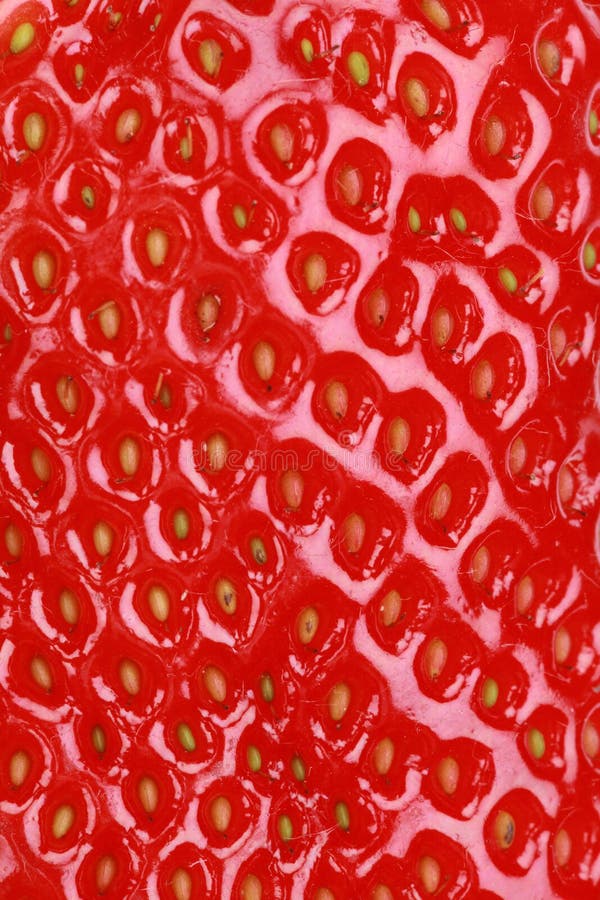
[[562, 847], [254, 758], [508, 279], [217, 449], [414, 220], [131, 676], [381, 892], [19, 768], [226, 595], [34, 131], [339, 701], [98, 739], [165, 396], [220, 814], [430, 874], [442, 326], [383, 756], [358, 67], [159, 602], [106, 870], [22, 38], [390, 608], [62, 821], [417, 96], [558, 341], [590, 740], [482, 380], [435, 658], [307, 624], [440, 502], [593, 122], [447, 774], [207, 311], [490, 692], [458, 219], [525, 594], [129, 456], [536, 743], [314, 270], [186, 146], [181, 524], [517, 456], [355, 530], [298, 768], [7, 334], [562, 645], [13, 540], [40, 463], [267, 688], [281, 139], [494, 135], [549, 59], [378, 307], [240, 216], [342, 815], [69, 606], [103, 537], [251, 888], [263, 357], [481, 564], [542, 202], [350, 185], [78, 74], [437, 13], [157, 246], [41, 673], [148, 794], [258, 550], [590, 256], [336, 399], [292, 489], [504, 829], [210, 55], [215, 683], [88, 196], [128, 125], [186, 738], [399, 436], [67, 391], [43, 268], [285, 828], [181, 884]]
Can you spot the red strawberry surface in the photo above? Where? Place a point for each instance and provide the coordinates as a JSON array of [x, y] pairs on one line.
[[300, 449]]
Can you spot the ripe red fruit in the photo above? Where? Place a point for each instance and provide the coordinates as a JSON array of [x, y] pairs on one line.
[[300, 449]]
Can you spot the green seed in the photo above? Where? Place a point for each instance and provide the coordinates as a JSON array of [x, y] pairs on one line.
[[489, 693], [342, 815], [358, 66], [88, 196], [536, 743], [593, 123], [298, 768], [240, 216], [98, 739], [181, 524], [414, 220], [267, 688], [590, 257], [254, 758], [508, 279], [22, 38], [307, 50], [458, 220], [186, 737], [285, 828]]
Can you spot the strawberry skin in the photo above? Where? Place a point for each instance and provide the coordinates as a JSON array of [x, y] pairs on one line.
[[300, 450]]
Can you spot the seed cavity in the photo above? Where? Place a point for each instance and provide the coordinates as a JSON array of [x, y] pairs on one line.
[[482, 380], [207, 311], [43, 268], [210, 55], [359, 68], [417, 96], [307, 625], [254, 758], [217, 450], [258, 550], [430, 874], [383, 756], [435, 658], [181, 524], [22, 38], [67, 391], [185, 736], [281, 139], [131, 676], [442, 326], [69, 606], [339, 701], [490, 692], [263, 358], [159, 602], [292, 489], [215, 683], [494, 135], [285, 828], [378, 307], [103, 538], [226, 595], [314, 270], [106, 870], [536, 743], [41, 673], [267, 688], [342, 815], [220, 814], [562, 848], [147, 790], [34, 131], [549, 58], [440, 502], [350, 185], [336, 399], [504, 829], [62, 821], [354, 530], [181, 884], [157, 246], [19, 768], [437, 14], [98, 739], [129, 456]]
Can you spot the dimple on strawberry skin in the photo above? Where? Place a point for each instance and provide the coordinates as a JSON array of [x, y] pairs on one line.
[[300, 449]]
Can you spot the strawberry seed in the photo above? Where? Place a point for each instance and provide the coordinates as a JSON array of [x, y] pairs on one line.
[[342, 815], [128, 125], [383, 756], [437, 14], [307, 624], [430, 874], [285, 828], [34, 131], [131, 676], [358, 67], [43, 268], [185, 737], [40, 463], [504, 829], [210, 55], [448, 774], [147, 791], [417, 96], [339, 701], [314, 270], [181, 884], [215, 683], [22, 38], [69, 606], [106, 870], [253, 758], [67, 391], [19, 768], [226, 595], [41, 673], [62, 821], [220, 814], [562, 848], [159, 602]]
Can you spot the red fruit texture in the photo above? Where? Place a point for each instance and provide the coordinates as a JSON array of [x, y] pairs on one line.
[[300, 449]]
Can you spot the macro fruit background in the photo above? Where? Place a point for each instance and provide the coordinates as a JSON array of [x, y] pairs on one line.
[[300, 453]]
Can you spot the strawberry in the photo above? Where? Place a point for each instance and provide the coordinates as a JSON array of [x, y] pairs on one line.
[[300, 457]]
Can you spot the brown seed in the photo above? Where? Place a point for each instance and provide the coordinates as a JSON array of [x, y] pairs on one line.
[[562, 847], [549, 59], [41, 672], [517, 456], [34, 131], [147, 790], [378, 307], [258, 550], [19, 768], [399, 436], [103, 537], [482, 380], [339, 701], [350, 185], [63, 820], [13, 540], [336, 399], [282, 142], [68, 393], [69, 606], [562, 645], [417, 96], [159, 602], [314, 270], [220, 814], [251, 888], [447, 774], [109, 320], [383, 756], [430, 874], [590, 740], [437, 13], [129, 456], [98, 739], [292, 488], [210, 55], [106, 870], [442, 326], [525, 594], [40, 463], [390, 608], [435, 658], [263, 358], [307, 624], [207, 311], [542, 202], [494, 135], [480, 564], [43, 268], [215, 683], [354, 530], [131, 676], [504, 829], [440, 502], [226, 595]]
